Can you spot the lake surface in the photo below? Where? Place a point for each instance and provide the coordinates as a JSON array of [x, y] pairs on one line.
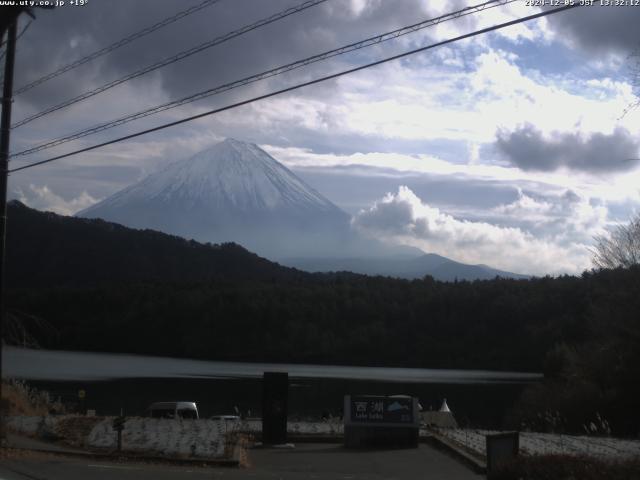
[[131, 382], [63, 365]]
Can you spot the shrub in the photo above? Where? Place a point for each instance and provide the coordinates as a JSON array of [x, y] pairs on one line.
[[20, 399], [564, 467]]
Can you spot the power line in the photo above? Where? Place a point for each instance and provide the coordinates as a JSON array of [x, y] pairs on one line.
[[24, 29], [300, 85], [266, 74], [4, 52], [116, 45], [174, 58]]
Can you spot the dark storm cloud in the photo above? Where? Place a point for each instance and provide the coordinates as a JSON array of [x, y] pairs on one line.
[[60, 36], [527, 149], [600, 28], [355, 187]]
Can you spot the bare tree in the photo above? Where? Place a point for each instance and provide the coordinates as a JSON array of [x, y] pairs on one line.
[[619, 248]]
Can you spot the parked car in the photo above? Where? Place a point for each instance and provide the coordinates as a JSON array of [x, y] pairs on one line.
[[173, 410]]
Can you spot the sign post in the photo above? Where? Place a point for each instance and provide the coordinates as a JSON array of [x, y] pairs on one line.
[[118, 426], [371, 420], [82, 395], [275, 393], [501, 448]]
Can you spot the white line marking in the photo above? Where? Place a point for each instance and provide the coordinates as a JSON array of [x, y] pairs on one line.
[[121, 467], [124, 467]]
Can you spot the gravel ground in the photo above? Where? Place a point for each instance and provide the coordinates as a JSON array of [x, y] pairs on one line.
[[209, 439], [215, 438], [547, 443]]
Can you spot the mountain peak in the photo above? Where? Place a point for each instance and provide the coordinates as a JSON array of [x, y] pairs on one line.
[[231, 176], [231, 191], [237, 176], [232, 145], [236, 143]]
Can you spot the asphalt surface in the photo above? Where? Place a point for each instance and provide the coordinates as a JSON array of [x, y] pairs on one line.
[[306, 461]]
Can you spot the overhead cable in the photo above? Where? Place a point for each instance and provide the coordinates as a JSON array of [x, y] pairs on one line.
[[4, 51], [298, 86], [116, 45], [264, 75], [169, 60]]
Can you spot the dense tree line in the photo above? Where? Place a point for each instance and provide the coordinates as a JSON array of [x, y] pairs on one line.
[[46, 249], [225, 303]]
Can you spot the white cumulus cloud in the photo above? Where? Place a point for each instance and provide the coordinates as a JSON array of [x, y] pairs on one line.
[[404, 218], [567, 218], [43, 198]]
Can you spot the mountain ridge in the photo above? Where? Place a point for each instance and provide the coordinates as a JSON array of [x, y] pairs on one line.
[[47, 248], [407, 267], [50, 249]]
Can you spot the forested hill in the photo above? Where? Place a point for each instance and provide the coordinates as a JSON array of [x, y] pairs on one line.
[[103, 287], [45, 249]]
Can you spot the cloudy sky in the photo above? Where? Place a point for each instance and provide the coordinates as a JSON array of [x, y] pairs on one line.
[[511, 149]]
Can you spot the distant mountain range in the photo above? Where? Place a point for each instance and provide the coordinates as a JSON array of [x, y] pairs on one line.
[[49, 249], [236, 192], [403, 266]]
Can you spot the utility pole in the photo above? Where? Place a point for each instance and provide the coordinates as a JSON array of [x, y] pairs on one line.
[[8, 24], [5, 131]]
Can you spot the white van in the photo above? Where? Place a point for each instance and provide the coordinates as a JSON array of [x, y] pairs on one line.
[[173, 410]]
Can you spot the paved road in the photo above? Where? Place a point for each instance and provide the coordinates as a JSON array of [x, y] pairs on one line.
[[329, 461], [306, 461]]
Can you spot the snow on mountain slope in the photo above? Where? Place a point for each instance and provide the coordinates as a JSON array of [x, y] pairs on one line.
[[231, 174], [233, 191]]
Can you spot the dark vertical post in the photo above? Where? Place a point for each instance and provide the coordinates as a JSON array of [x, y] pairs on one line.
[[82, 395], [501, 448], [118, 426], [275, 393], [5, 130]]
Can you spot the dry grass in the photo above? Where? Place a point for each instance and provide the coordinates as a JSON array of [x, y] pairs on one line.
[[20, 399], [75, 430], [21, 454], [564, 467]]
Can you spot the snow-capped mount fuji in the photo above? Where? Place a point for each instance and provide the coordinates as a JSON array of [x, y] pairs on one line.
[[233, 191], [237, 192]]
